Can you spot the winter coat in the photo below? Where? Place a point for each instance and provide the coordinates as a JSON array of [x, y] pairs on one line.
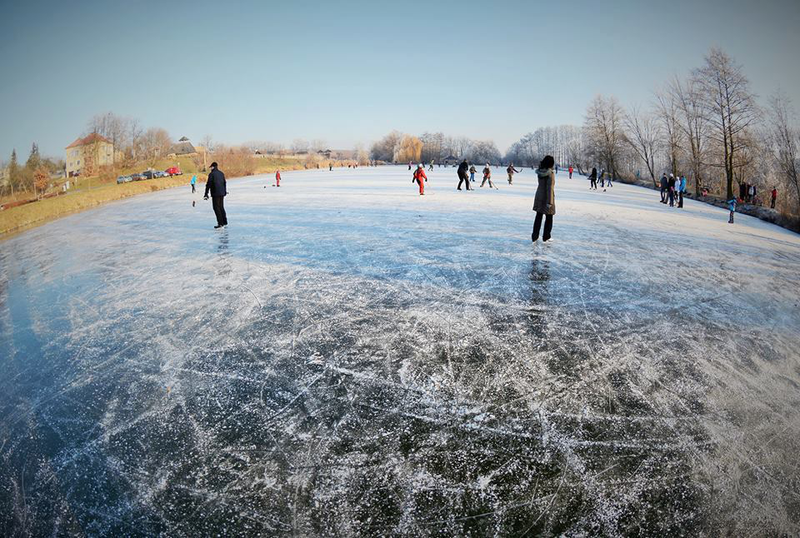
[[462, 169], [194, 180], [419, 175], [545, 199], [683, 184], [664, 183], [216, 183], [487, 172], [732, 204]]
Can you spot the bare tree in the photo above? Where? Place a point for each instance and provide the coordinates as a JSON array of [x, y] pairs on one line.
[[728, 107], [672, 134], [784, 139], [643, 136], [603, 126], [300, 146], [694, 127], [114, 128]]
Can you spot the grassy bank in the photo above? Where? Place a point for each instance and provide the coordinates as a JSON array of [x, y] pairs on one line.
[[95, 192]]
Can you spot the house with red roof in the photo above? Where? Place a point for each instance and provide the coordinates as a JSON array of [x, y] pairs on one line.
[[86, 155]]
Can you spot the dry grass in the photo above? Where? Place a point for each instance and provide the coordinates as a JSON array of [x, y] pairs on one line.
[[21, 218]]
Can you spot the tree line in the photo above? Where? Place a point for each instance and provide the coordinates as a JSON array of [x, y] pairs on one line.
[[398, 147]]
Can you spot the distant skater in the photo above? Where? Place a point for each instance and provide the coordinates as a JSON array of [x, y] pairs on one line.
[[409, 165], [593, 179], [774, 197], [431, 168], [664, 187], [671, 190], [462, 175], [511, 171], [487, 176], [681, 189], [731, 208], [218, 188], [277, 178], [544, 203], [194, 181], [330, 167], [570, 172], [472, 171], [602, 177], [421, 178]]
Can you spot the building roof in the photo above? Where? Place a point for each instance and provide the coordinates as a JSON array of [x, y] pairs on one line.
[[183, 139], [182, 148], [91, 139]]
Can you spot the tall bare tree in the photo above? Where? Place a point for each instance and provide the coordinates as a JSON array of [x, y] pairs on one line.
[[694, 127], [643, 136], [729, 108], [668, 113], [604, 129], [784, 140]]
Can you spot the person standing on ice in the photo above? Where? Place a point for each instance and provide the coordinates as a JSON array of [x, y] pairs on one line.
[[409, 165], [472, 171], [570, 172], [278, 178], [664, 187], [431, 168], [218, 188], [671, 190], [593, 179], [419, 176], [774, 198], [511, 171], [193, 182], [462, 175], [544, 203], [731, 208], [487, 176], [681, 190]]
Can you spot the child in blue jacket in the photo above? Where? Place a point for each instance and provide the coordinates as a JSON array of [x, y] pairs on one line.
[[732, 207]]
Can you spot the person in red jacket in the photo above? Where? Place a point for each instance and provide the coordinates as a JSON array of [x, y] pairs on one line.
[[278, 178], [419, 176], [570, 172]]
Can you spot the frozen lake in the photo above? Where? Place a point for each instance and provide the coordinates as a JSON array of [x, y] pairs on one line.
[[349, 358]]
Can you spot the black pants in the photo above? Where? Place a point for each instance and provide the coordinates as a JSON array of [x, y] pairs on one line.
[[593, 184], [663, 196], [537, 224], [730, 220], [671, 199], [772, 204], [463, 179], [680, 199], [192, 188], [218, 202]]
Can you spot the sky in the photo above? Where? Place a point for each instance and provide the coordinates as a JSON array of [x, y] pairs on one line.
[[347, 72]]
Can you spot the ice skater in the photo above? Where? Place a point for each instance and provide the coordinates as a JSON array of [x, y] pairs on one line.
[[544, 203], [277, 178], [671, 190], [193, 182], [218, 188], [487, 176], [511, 171], [732, 209], [681, 189], [593, 179], [602, 177], [472, 171], [664, 187], [431, 168], [421, 178], [570, 172], [774, 198], [462, 175]]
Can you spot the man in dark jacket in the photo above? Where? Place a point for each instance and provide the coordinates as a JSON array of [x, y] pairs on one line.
[[218, 188], [462, 174], [664, 187]]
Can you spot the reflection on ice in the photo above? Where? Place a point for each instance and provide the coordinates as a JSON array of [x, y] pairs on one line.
[[349, 359]]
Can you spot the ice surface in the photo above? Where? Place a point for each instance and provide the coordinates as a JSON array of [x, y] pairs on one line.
[[349, 358]]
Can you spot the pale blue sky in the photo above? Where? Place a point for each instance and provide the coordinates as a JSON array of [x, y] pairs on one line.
[[348, 72]]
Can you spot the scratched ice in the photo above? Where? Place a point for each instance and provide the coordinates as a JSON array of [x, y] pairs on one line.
[[349, 358]]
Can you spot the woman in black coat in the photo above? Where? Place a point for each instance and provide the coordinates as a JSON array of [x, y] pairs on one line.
[[593, 179], [545, 201]]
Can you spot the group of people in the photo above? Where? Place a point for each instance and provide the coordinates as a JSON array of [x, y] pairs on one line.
[[672, 189], [594, 176]]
